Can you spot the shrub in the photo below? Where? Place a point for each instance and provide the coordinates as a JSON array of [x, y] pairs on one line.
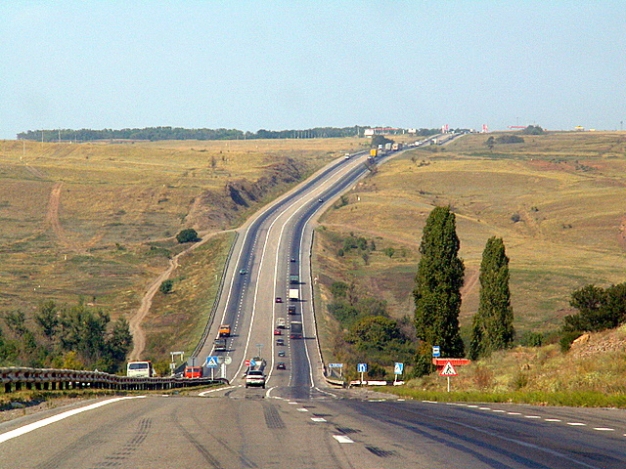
[[187, 236], [531, 339], [166, 286]]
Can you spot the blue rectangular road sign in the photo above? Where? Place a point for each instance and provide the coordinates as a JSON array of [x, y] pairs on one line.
[[436, 351], [361, 368], [211, 362]]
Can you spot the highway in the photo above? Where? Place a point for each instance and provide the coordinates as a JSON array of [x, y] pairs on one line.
[[298, 421]]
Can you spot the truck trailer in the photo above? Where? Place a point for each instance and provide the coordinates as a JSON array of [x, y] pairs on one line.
[[295, 330], [294, 294]]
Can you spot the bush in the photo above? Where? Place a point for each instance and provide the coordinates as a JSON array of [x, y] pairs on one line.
[[187, 236], [166, 286], [531, 339]]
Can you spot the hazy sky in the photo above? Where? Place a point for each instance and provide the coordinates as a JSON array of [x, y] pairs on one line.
[[299, 64]]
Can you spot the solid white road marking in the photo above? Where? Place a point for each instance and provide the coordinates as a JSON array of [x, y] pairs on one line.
[[55, 418], [342, 439]]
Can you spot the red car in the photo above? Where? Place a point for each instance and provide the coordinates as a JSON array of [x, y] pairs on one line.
[[278, 332], [279, 299]]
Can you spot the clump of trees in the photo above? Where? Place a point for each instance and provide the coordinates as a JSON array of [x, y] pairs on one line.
[[76, 337], [598, 309], [368, 333], [533, 130]]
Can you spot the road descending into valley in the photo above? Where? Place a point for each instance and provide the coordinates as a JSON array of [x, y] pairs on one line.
[[298, 420]]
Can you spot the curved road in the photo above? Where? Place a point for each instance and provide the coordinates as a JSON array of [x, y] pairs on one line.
[[298, 421]]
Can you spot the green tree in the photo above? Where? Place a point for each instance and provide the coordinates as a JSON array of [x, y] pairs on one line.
[[48, 319], [84, 331], [374, 332], [438, 281], [490, 143], [492, 326], [119, 344], [188, 235]]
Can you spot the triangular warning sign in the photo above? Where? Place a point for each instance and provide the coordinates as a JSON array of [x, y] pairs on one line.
[[448, 370]]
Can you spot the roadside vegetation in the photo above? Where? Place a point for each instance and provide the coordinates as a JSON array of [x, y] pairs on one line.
[[553, 200]]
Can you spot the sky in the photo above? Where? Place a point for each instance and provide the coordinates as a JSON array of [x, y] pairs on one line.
[[279, 65]]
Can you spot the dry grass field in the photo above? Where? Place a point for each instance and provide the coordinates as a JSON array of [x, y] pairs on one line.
[[98, 220], [557, 200]]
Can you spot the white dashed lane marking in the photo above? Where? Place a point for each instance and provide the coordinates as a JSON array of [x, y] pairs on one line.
[[342, 439]]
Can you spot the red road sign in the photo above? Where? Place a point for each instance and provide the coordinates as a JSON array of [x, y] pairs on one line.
[[448, 370], [454, 361]]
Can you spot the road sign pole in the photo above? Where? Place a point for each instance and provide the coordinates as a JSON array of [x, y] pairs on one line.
[[448, 384]]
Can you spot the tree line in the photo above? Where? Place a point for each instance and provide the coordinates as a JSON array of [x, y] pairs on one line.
[[73, 337], [179, 133]]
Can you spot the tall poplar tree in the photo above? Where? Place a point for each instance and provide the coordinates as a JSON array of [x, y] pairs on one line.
[[492, 326], [438, 286]]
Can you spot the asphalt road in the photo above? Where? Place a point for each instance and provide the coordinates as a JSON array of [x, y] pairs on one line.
[[298, 421]]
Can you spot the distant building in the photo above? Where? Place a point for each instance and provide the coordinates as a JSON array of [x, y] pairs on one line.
[[382, 131]]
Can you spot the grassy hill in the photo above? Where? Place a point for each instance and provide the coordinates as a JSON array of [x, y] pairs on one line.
[[99, 220], [555, 199]]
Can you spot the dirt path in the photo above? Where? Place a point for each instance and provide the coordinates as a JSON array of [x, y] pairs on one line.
[[139, 338], [470, 283]]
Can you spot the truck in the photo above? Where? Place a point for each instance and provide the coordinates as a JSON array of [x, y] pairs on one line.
[[280, 323], [294, 294], [219, 344], [224, 330], [193, 372], [295, 330], [294, 279], [373, 153], [396, 147]]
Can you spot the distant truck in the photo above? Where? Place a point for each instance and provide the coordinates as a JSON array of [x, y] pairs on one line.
[[295, 330], [294, 294], [373, 153], [219, 344], [396, 147], [224, 330], [193, 372], [294, 279]]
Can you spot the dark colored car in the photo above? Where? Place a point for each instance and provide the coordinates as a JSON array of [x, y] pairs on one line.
[[281, 366], [280, 342], [279, 299], [282, 353]]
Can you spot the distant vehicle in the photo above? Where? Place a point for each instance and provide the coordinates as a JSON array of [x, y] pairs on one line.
[[320, 200], [347, 157], [224, 330], [373, 153], [291, 310], [294, 294], [294, 279], [295, 330], [280, 342], [279, 299], [243, 271], [255, 378], [219, 345], [281, 366], [193, 372], [140, 369], [293, 259], [282, 353], [280, 323], [278, 332]]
